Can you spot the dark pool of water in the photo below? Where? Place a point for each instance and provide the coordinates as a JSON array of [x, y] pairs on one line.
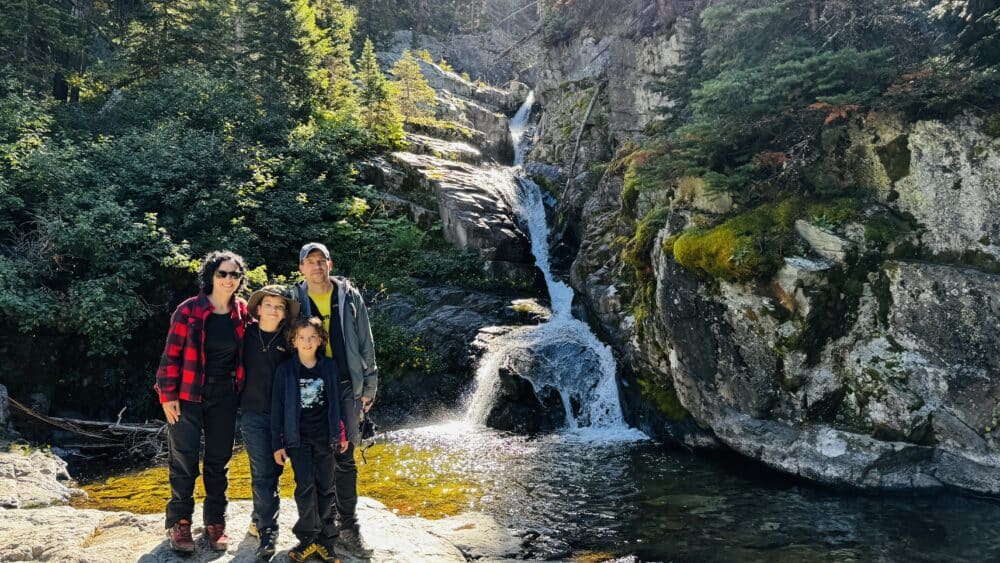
[[568, 496]]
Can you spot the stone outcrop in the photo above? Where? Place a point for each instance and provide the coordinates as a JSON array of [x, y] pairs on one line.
[[66, 534], [31, 478], [849, 365], [446, 321], [476, 207], [951, 187]]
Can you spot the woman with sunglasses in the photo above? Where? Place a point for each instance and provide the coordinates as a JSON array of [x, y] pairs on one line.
[[198, 380]]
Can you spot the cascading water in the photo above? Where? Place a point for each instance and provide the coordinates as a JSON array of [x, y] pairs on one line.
[[565, 355]]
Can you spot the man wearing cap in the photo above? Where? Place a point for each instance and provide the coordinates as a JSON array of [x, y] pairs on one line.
[[264, 348], [342, 309]]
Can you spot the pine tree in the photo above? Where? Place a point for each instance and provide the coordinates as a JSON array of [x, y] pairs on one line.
[[285, 51], [379, 115], [415, 96]]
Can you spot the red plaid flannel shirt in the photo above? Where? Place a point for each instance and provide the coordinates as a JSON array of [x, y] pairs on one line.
[[181, 374]]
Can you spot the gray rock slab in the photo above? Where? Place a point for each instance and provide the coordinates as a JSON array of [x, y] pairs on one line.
[[108, 537], [33, 478]]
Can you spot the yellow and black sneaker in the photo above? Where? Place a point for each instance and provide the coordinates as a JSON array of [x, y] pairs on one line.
[[325, 552], [302, 551]]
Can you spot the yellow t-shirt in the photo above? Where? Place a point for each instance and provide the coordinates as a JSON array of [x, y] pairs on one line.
[[322, 302]]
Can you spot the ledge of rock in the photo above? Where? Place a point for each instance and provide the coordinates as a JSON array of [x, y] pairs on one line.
[[106, 537], [32, 478]]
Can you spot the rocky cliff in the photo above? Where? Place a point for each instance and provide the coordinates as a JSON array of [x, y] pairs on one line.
[[868, 359]]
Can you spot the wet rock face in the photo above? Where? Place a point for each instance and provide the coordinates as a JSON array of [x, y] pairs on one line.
[[476, 209], [530, 378], [447, 321], [519, 408]]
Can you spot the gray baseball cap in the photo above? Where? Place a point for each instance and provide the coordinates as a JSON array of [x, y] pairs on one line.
[[309, 247]]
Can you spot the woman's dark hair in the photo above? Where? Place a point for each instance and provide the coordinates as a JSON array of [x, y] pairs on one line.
[[300, 323], [210, 263]]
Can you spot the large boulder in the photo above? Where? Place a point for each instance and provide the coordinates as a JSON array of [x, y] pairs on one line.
[[30, 477], [477, 210], [446, 322]]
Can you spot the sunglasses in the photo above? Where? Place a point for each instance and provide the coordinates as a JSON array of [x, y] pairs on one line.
[[222, 274]]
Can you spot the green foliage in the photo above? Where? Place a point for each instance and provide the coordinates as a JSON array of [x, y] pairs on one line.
[[380, 115], [761, 80], [414, 95], [198, 127], [400, 352]]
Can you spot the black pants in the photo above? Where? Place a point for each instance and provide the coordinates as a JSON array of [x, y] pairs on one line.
[[346, 468], [312, 464], [215, 416], [264, 473]]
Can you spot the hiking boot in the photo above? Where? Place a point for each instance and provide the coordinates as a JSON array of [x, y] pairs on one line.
[[350, 540], [252, 530], [180, 537], [267, 547], [217, 538], [302, 551], [325, 552]]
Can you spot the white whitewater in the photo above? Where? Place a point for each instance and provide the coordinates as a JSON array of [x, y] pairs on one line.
[[588, 382]]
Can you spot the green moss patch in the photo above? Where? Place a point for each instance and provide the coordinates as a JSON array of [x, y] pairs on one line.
[[752, 245], [412, 481], [742, 248], [895, 158], [991, 126], [663, 396]]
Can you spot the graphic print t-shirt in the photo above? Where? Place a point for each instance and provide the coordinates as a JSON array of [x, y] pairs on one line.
[[314, 424]]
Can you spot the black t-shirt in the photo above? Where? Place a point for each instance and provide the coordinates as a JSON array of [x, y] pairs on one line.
[[313, 419], [221, 346], [260, 361]]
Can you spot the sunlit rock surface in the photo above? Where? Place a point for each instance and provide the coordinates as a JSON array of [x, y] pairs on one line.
[[65, 534], [32, 478]]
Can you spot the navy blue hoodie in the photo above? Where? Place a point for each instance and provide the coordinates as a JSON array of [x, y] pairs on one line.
[[286, 408]]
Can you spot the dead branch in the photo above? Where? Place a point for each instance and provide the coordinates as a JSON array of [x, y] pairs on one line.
[[579, 136], [518, 43]]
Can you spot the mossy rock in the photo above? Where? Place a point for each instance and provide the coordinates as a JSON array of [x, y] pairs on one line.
[[663, 396], [744, 247], [895, 157], [991, 126]]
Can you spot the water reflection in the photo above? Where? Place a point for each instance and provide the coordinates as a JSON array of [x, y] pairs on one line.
[[568, 495]]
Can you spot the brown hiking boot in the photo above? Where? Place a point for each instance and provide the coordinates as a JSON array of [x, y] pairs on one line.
[[180, 537], [217, 538]]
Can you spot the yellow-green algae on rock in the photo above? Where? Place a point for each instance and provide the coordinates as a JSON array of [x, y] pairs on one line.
[[413, 481]]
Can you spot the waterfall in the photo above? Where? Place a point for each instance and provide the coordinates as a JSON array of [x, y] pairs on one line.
[[574, 362]]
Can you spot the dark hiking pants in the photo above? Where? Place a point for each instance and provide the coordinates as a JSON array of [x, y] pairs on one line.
[[346, 469], [312, 464], [264, 473], [215, 417]]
